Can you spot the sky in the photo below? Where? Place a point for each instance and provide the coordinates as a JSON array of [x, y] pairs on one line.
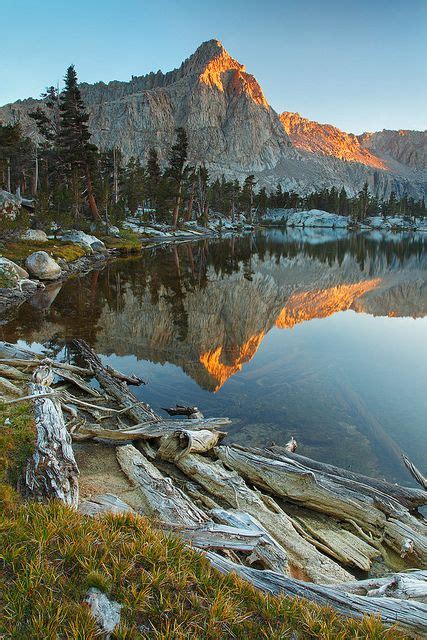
[[358, 64]]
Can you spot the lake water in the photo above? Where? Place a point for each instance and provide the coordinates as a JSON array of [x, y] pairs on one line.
[[317, 335]]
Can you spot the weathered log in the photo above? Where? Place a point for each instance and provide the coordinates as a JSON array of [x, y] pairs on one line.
[[12, 352], [6, 386], [107, 503], [269, 553], [321, 493], [52, 471], [139, 411], [76, 381], [409, 497], [133, 380], [408, 615], [32, 364], [228, 486], [415, 473], [328, 535], [410, 585], [162, 500], [11, 372], [184, 441], [144, 431]]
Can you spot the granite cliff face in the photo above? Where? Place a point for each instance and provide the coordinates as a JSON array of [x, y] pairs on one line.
[[233, 130]]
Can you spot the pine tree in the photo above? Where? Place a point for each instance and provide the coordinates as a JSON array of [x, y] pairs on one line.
[[76, 150], [154, 175], [175, 171], [247, 196]]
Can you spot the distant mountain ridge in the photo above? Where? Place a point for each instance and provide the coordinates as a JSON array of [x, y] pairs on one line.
[[233, 130]]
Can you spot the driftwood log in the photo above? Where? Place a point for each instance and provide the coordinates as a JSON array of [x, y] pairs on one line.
[[227, 486], [410, 498], [52, 471], [162, 500], [380, 516], [116, 389], [144, 431], [410, 615]]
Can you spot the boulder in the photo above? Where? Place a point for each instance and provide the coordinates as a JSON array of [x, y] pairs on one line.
[[42, 266], [13, 268], [10, 274], [83, 239], [35, 234], [114, 231], [10, 205]]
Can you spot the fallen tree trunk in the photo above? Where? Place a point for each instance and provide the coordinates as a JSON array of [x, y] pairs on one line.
[[227, 486], [52, 471], [268, 552], [415, 473], [144, 431], [302, 487], [162, 500], [411, 585], [140, 412], [107, 503], [409, 497], [184, 441], [408, 615]]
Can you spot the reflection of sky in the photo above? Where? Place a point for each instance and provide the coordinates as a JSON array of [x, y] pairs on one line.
[[364, 374]]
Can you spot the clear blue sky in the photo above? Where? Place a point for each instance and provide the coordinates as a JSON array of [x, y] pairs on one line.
[[358, 64]]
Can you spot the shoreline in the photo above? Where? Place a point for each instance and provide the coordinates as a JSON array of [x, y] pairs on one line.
[[11, 298]]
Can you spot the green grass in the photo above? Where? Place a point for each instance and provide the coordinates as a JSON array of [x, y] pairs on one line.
[[20, 250], [50, 555], [129, 242]]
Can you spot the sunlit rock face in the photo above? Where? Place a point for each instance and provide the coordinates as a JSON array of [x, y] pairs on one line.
[[234, 131], [328, 140]]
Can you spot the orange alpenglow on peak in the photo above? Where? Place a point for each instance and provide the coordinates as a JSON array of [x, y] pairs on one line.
[[327, 140], [220, 371], [222, 71], [322, 303]]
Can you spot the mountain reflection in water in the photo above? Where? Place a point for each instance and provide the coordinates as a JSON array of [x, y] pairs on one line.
[[320, 335]]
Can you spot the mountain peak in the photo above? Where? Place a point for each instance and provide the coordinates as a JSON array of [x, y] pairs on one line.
[[209, 60]]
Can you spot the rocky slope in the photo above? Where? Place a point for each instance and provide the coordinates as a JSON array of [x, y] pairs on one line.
[[234, 131]]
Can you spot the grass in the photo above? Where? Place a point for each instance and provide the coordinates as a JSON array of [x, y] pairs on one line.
[[129, 242], [50, 555], [20, 250]]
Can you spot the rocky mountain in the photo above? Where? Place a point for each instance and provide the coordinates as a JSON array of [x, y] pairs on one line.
[[233, 130]]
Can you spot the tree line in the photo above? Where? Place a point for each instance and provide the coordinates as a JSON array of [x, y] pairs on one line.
[[75, 182]]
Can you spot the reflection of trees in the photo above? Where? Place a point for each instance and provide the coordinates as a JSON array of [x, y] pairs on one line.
[[168, 274]]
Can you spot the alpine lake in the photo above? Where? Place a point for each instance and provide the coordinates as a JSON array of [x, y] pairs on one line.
[[319, 334]]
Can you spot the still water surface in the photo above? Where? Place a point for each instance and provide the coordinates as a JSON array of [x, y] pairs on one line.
[[318, 335]]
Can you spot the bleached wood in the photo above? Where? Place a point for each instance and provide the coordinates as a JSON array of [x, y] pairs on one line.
[[144, 431], [107, 503], [227, 486], [52, 471], [184, 441], [409, 497], [321, 493], [409, 615], [162, 500], [139, 411]]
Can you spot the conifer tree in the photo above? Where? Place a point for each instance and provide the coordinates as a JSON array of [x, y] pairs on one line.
[[74, 138], [175, 171], [154, 175]]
